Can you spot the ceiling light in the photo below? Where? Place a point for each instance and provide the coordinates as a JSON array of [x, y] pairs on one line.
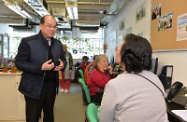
[[72, 10], [25, 13], [88, 23], [18, 10], [38, 7]]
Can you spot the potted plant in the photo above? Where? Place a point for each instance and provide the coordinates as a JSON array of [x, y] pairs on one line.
[[13, 69], [5, 68]]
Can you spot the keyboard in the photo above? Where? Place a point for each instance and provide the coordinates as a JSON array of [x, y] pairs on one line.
[[181, 97]]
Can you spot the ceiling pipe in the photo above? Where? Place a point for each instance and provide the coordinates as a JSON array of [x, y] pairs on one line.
[[114, 9]]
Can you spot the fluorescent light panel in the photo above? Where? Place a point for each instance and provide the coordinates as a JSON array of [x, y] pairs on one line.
[[72, 12], [18, 10], [72, 9], [25, 13], [38, 7], [88, 23]]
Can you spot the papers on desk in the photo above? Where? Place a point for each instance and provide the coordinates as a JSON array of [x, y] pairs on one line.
[[181, 113]]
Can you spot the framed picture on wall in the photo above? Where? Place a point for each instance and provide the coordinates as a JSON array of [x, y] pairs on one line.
[[182, 27], [141, 11], [156, 11], [165, 21]]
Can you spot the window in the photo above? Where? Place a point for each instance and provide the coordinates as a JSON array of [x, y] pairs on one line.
[[89, 43]]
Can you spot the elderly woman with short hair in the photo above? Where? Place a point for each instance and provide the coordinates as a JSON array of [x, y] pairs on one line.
[[137, 95], [99, 77]]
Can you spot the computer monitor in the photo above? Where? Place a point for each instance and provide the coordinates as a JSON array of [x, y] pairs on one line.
[[154, 65], [111, 60]]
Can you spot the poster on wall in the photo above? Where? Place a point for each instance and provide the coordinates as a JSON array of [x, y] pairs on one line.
[[182, 27], [140, 11], [156, 11], [112, 44], [111, 50], [165, 21]]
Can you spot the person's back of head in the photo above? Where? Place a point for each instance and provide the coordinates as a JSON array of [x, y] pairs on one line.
[[136, 53], [64, 47], [85, 59]]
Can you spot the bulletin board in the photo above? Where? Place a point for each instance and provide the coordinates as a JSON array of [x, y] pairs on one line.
[[167, 39]]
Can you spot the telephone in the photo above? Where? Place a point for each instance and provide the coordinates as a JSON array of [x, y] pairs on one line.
[[174, 90], [181, 97], [177, 94]]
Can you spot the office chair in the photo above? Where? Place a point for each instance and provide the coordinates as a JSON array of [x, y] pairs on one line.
[[166, 76], [91, 113], [85, 92], [81, 74]]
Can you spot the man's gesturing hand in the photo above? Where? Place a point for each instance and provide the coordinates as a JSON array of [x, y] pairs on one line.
[[48, 65]]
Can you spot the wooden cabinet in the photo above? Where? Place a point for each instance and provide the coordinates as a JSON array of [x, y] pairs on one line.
[[12, 103]]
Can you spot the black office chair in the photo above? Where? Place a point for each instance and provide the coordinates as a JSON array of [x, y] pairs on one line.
[[166, 76]]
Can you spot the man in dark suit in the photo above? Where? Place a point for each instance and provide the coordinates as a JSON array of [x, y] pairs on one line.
[[40, 57]]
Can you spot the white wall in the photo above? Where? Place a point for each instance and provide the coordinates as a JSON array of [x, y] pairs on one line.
[[176, 58], [179, 61], [4, 28], [128, 15]]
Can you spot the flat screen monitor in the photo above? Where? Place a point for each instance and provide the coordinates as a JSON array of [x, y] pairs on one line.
[[111, 60], [154, 65]]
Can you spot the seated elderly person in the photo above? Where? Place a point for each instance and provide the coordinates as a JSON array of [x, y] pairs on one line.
[[137, 95], [100, 75]]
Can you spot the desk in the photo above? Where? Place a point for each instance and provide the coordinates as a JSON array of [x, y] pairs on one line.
[[171, 116]]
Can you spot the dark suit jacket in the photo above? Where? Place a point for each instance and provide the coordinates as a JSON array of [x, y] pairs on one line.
[[32, 53]]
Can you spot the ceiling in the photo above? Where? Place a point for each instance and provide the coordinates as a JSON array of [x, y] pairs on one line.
[[90, 12]]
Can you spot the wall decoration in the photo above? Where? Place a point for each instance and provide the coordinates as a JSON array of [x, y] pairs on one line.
[[165, 21], [182, 27], [141, 11], [129, 30], [112, 44], [121, 25], [156, 11]]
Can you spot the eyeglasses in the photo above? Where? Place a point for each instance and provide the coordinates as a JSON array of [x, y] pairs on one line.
[[50, 26]]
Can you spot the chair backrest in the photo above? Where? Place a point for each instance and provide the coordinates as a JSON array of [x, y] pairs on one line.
[[166, 76], [81, 74], [85, 91], [91, 113]]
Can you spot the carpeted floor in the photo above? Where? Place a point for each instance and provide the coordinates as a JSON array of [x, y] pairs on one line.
[[69, 106]]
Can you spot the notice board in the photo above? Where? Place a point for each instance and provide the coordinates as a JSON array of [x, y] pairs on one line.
[[166, 39]]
